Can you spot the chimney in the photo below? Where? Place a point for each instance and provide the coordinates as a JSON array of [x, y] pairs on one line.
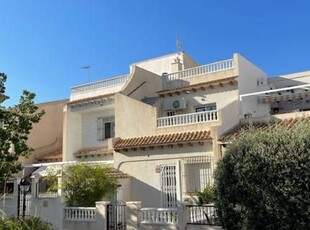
[[176, 66]]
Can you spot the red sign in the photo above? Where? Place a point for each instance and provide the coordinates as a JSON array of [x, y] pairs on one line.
[[157, 169]]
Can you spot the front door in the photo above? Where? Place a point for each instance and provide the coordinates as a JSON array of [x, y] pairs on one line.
[[168, 186]]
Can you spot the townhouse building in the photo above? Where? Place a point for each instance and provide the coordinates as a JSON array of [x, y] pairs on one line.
[[162, 123], [162, 127]]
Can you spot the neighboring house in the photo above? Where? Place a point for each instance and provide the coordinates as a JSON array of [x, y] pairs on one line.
[[46, 141]]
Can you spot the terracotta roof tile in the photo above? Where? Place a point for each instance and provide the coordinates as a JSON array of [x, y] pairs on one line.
[[115, 173], [53, 156], [197, 85], [163, 139], [93, 151], [289, 123]]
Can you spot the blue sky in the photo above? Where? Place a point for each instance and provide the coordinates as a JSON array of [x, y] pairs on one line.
[[44, 44]]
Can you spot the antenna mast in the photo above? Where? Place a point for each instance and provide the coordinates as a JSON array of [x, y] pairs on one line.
[[179, 43], [88, 68]]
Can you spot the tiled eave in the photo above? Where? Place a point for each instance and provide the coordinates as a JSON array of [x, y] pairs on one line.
[[201, 86], [288, 123], [53, 156], [286, 97], [91, 102], [115, 173], [93, 151], [163, 140]]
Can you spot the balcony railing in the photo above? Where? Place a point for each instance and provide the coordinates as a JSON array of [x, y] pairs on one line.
[[203, 215], [80, 214], [100, 84], [189, 118], [200, 70], [159, 216]]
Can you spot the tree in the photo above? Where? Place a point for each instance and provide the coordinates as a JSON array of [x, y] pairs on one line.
[[84, 184], [16, 123], [262, 182]]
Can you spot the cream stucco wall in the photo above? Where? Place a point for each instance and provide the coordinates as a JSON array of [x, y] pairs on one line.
[[72, 134], [142, 84], [47, 135], [89, 127], [141, 165], [133, 118], [249, 81], [162, 64], [226, 99]]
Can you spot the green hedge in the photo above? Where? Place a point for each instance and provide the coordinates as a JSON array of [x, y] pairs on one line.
[[33, 223], [263, 180], [84, 184]]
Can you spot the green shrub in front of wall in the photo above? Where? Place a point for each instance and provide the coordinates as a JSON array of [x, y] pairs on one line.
[[31, 223], [263, 180], [85, 184], [206, 196]]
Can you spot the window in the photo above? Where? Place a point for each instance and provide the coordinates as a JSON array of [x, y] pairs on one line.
[[47, 187], [8, 188], [170, 113], [208, 107], [208, 116], [105, 128], [198, 173]]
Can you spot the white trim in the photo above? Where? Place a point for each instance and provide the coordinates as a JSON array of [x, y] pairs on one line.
[[66, 162], [273, 90]]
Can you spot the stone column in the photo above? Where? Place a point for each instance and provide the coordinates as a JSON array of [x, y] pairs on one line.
[[101, 215], [183, 215], [132, 214]]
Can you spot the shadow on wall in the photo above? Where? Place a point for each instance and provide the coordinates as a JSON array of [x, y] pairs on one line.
[[148, 195]]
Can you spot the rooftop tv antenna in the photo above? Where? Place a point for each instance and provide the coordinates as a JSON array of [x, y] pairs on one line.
[[88, 68], [179, 43]]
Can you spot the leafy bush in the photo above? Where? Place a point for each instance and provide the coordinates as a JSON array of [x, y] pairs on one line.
[[206, 196], [262, 182], [84, 184], [32, 223]]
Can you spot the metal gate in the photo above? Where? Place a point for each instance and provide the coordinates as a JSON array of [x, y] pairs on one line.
[[169, 186], [23, 204], [116, 216]]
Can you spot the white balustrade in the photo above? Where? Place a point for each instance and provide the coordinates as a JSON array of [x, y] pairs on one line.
[[189, 118], [80, 213], [100, 84], [205, 214], [205, 69], [159, 216]]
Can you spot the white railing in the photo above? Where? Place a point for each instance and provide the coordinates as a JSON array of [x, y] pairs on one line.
[[159, 216], [47, 195], [189, 118], [205, 214], [80, 214], [209, 68], [100, 84]]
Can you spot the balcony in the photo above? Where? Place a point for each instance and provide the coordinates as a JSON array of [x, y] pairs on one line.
[[185, 77], [188, 119], [103, 87]]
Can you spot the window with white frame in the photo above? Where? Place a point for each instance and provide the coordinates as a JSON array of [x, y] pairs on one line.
[[198, 173], [207, 107], [105, 128], [47, 187], [170, 113], [7, 188]]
